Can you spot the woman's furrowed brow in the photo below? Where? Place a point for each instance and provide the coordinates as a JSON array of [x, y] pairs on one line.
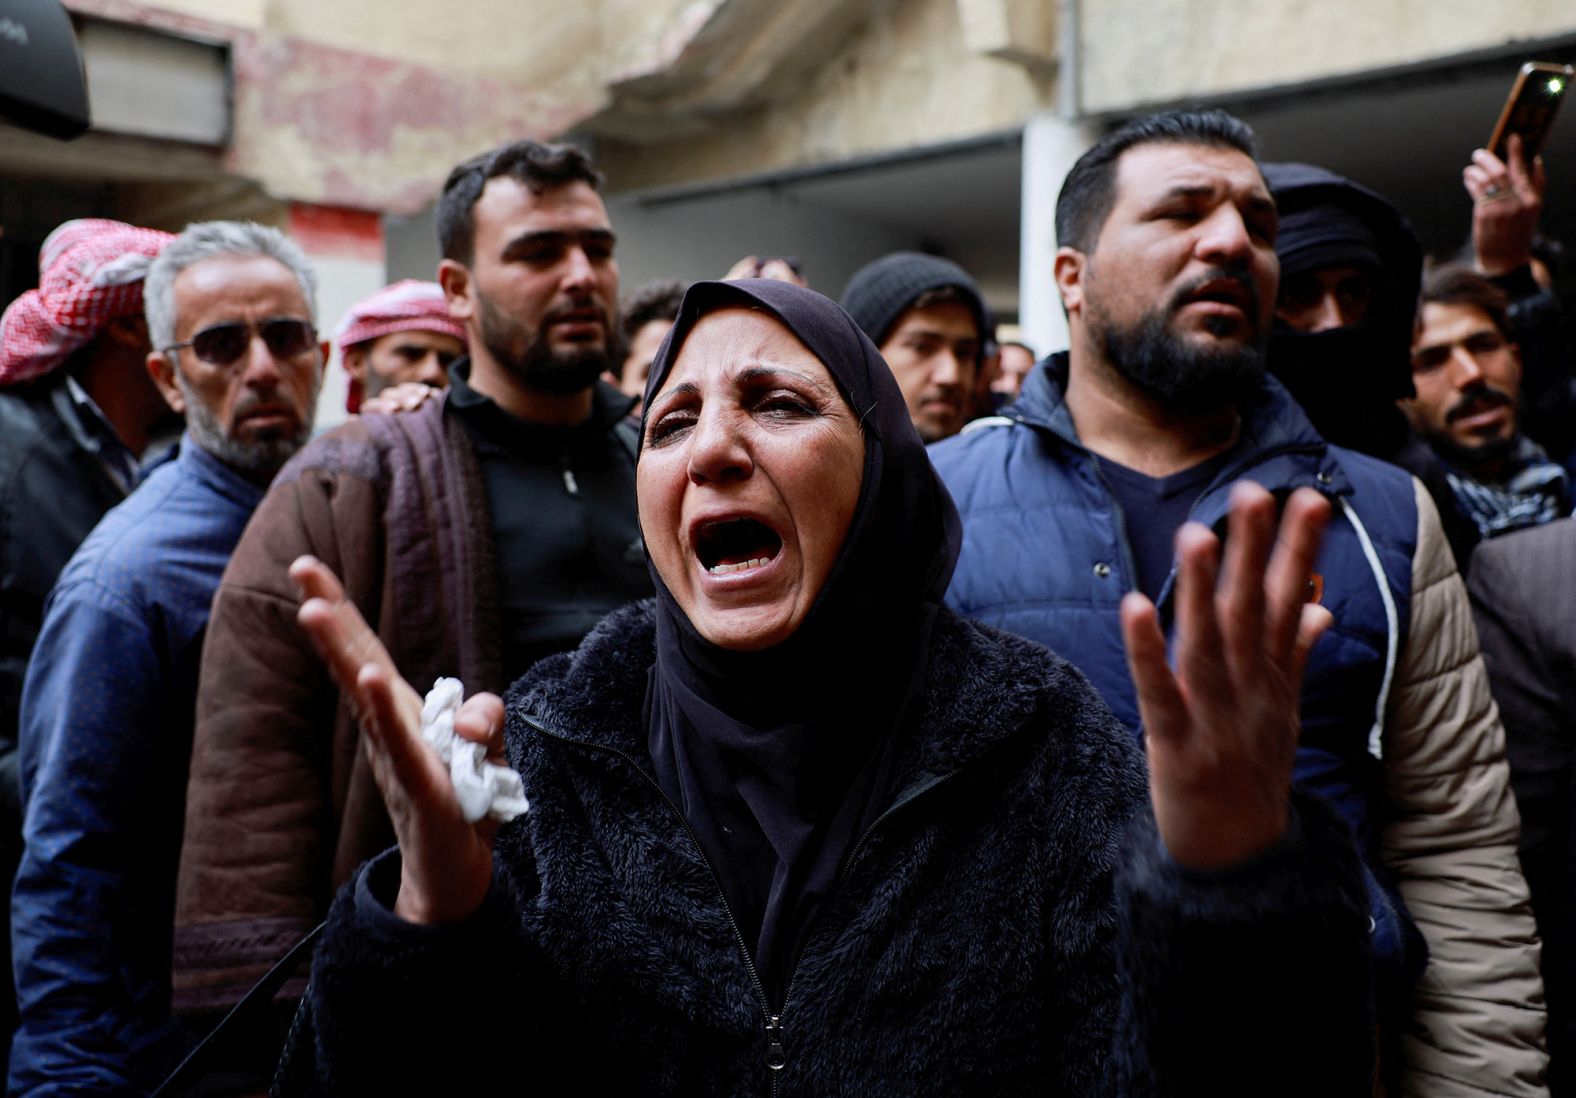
[[686, 388], [763, 373]]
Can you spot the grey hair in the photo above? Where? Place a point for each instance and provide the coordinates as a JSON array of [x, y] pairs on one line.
[[206, 240]]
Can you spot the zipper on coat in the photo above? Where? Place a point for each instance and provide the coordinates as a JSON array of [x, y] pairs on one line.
[[842, 876], [776, 1054], [571, 485], [776, 1051]]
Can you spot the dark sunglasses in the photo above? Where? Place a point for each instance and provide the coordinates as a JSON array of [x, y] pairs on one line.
[[221, 345]]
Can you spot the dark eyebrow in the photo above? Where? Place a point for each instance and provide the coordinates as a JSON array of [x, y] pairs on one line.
[[687, 388], [756, 374], [559, 238], [1258, 203], [1188, 190]]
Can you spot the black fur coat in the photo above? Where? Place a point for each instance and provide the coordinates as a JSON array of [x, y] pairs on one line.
[[1009, 925]]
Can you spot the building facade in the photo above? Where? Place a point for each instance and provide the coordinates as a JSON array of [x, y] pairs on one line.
[[832, 130]]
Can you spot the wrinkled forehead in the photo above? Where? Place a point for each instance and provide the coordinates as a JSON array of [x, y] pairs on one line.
[[733, 343], [226, 288]]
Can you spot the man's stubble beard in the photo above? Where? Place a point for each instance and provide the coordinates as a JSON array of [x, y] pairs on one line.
[[530, 358], [1186, 379]]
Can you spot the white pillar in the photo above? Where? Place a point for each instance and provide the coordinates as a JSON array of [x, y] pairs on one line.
[[1050, 145], [347, 251]]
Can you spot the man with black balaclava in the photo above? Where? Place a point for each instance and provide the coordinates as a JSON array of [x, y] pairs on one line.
[[1350, 271]]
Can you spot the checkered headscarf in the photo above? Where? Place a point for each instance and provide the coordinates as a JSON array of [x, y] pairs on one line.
[[90, 272], [408, 305]]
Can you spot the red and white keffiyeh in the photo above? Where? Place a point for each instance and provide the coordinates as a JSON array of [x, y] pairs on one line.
[[408, 305], [90, 273]]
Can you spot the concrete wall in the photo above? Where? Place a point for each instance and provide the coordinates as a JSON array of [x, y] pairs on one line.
[[903, 76], [1137, 52], [365, 103]]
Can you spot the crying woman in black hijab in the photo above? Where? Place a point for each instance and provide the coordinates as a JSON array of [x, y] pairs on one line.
[[1350, 272], [793, 823], [800, 545]]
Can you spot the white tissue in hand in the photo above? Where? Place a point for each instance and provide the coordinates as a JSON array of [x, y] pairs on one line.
[[481, 787]]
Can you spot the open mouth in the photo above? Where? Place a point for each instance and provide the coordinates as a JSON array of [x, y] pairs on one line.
[[736, 545]]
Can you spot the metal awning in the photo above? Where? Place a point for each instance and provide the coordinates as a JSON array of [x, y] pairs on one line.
[[42, 86]]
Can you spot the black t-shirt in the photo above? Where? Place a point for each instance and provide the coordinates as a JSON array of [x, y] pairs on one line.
[[562, 503], [1154, 508]]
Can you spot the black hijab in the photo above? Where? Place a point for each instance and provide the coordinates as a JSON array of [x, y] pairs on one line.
[[779, 759]]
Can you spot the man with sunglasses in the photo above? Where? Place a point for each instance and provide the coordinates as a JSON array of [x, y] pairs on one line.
[[490, 527], [109, 694]]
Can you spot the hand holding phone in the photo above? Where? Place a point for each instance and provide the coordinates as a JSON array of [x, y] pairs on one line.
[[1534, 100], [1507, 202]]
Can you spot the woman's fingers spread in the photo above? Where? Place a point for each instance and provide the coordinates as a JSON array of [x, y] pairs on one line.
[[315, 580], [1239, 603], [343, 637], [1312, 622], [1291, 568], [396, 732], [335, 639], [1160, 703], [1200, 669]]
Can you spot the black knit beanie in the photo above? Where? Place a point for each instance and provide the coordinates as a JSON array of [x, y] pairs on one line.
[[880, 292]]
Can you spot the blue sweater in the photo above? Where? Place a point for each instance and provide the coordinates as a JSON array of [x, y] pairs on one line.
[[105, 738]]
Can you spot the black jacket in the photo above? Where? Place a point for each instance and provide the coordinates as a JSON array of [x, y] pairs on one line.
[[53, 491], [1525, 608], [1009, 924]]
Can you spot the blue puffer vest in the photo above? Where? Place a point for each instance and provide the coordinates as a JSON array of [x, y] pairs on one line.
[[1046, 555]]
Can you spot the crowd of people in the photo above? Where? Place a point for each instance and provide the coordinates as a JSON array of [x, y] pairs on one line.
[[899, 710]]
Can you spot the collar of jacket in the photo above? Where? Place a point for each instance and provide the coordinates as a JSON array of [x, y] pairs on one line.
[[982, 689], [1278, 448], [608, 405]]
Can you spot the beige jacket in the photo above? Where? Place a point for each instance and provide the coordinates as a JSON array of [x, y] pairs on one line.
[[1478, 1017]]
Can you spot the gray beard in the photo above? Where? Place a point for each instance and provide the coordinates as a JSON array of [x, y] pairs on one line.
[[261, 458]]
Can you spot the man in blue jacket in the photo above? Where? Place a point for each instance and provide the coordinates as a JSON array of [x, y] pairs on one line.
[[1168, 275], [106, 721]]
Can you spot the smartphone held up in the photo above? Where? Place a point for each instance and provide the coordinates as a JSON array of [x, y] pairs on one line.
[[1529, 111]]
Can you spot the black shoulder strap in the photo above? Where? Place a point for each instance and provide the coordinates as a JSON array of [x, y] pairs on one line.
[[192, 1068]]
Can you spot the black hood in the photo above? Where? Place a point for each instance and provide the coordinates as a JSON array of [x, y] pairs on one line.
[[1349, 379]]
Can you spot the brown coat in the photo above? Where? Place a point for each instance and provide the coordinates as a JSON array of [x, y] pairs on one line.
[[278, 813]]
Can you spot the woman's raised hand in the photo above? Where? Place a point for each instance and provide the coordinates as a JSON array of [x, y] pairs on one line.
[[1221, 730], [446, 862]]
